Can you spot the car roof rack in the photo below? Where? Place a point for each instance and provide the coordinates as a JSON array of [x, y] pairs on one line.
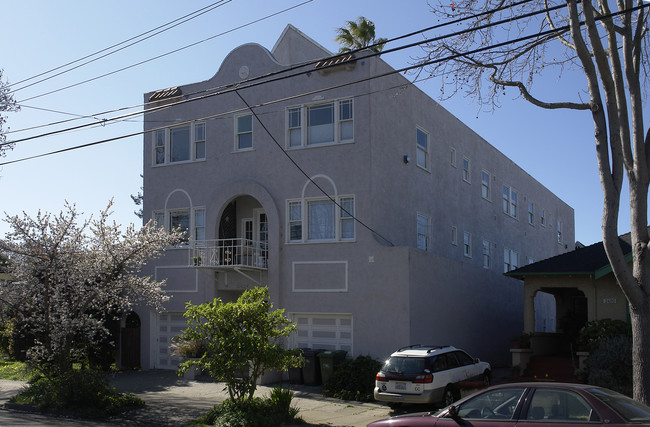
[[429, 348]]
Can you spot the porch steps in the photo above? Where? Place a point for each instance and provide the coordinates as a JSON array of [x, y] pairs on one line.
[[551, 368]]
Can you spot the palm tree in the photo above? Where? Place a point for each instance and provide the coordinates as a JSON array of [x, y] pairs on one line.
[[358, 35]]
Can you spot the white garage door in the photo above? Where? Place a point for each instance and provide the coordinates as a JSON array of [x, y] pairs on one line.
[[169, 325], [323, 331]]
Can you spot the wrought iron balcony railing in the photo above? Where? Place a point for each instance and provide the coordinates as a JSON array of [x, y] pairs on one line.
[[236, 252]]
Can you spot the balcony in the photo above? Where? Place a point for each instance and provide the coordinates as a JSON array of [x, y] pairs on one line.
[[229, 254]]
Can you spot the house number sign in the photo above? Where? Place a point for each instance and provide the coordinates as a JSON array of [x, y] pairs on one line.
[[609, 300]]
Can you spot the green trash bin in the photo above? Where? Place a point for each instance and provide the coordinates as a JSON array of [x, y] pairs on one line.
[[329, 360]]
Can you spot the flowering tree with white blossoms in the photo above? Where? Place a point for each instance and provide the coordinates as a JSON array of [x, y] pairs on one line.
[[70, 276]]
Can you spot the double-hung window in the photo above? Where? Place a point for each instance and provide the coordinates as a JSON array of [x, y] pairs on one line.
[[559, 231], [509, 201], [531, 213], [244, 132], [422, 148], [487, 254], [466, 171], [320, 124], [178, 144], [423, 232], [467, 244], [485, 185], [510, 260], [321, 219]]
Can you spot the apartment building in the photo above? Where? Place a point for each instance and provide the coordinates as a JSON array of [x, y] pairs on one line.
[[375, 217]]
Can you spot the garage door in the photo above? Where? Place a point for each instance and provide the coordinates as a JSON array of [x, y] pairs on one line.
[[169, 325], [323, 331]]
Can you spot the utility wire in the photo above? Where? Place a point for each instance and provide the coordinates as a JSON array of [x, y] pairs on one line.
[[265, 78], [437, 26], [176, 22]]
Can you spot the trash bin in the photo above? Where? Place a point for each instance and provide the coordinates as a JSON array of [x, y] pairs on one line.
[[311, 370], [295, 374], [329, 360]]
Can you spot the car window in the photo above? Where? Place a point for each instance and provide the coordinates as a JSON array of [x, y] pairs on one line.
[[464, 359], [404, 365], [494, 404], [560, 405], [629, 409], [452, 361], [439, 363]]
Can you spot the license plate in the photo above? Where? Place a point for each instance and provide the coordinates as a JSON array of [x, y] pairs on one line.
[[400, 386]]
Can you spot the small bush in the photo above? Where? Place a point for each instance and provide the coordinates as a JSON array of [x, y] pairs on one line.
[[353, 379], [85, 393], [257, 412], [610, 365], [592, 333]]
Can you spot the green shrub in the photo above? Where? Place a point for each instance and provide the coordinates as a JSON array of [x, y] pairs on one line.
[[592, 333], [353, 379], [273, 411], [610, 365], [84, 392]]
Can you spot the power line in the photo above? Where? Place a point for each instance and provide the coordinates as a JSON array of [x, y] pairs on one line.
[[229, 87], [162, 29], [437, 26]]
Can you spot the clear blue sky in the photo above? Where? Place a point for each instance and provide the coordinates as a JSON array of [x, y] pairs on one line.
[[555, 147]]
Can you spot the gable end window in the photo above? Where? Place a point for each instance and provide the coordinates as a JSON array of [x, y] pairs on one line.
[[179, 144], [320, 124], [321, 220]]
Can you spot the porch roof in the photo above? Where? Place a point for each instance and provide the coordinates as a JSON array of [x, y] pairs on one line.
[[588, 260]]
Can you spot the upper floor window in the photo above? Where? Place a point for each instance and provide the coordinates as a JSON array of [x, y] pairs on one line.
[[487, 254], [321, 219], [190, 221], [454, 235], [559, 231], [453, 157], [485, 185], [467, 244], [318, 124], [466, 171], [423, 232], [531, 213], [244, 132], [422, 147], [510, 260], [510, 201], [542, 218], [179, 144]]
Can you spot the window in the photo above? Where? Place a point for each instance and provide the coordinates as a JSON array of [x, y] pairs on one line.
[[509, 201], [559, 231], [467, 244], [179, 144], [199, 141], [485, 185], [326, 123], [422, 146], [542, 218], [454, 235], [423, 232], [244, 132], [466, 172], [453, 157], [190, 221], [510, 260], [529, 260], [531, 213], [559, 405], [487, 254], [323, 220]]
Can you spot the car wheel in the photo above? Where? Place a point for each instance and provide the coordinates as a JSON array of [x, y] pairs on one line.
[[448, 397], [486, 378]]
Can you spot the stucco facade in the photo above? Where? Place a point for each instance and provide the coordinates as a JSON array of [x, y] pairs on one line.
[[349, 196]]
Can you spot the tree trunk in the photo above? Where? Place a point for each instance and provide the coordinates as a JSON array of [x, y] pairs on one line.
[[641, 351]]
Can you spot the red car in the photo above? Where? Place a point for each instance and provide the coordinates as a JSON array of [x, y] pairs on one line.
[[533, 404]]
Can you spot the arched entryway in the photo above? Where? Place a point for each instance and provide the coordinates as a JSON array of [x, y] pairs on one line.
[[130, 342]]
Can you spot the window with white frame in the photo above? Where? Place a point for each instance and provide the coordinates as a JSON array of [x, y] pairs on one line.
[[422, 147], [487, 254], [510, 260], [454, 235], [509, 201], [190, 221], [321, 219], [423, 232], [178, 144], [320, 124], [485, 185], [531, 213], [542, 218], [466, 171], [244, 132], [467, 244], [559, 231]]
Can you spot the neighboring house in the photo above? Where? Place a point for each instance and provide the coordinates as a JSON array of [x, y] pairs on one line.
[[582, 288], [375, 217]]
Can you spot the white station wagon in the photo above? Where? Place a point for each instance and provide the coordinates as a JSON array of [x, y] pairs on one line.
[[428, 374]]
